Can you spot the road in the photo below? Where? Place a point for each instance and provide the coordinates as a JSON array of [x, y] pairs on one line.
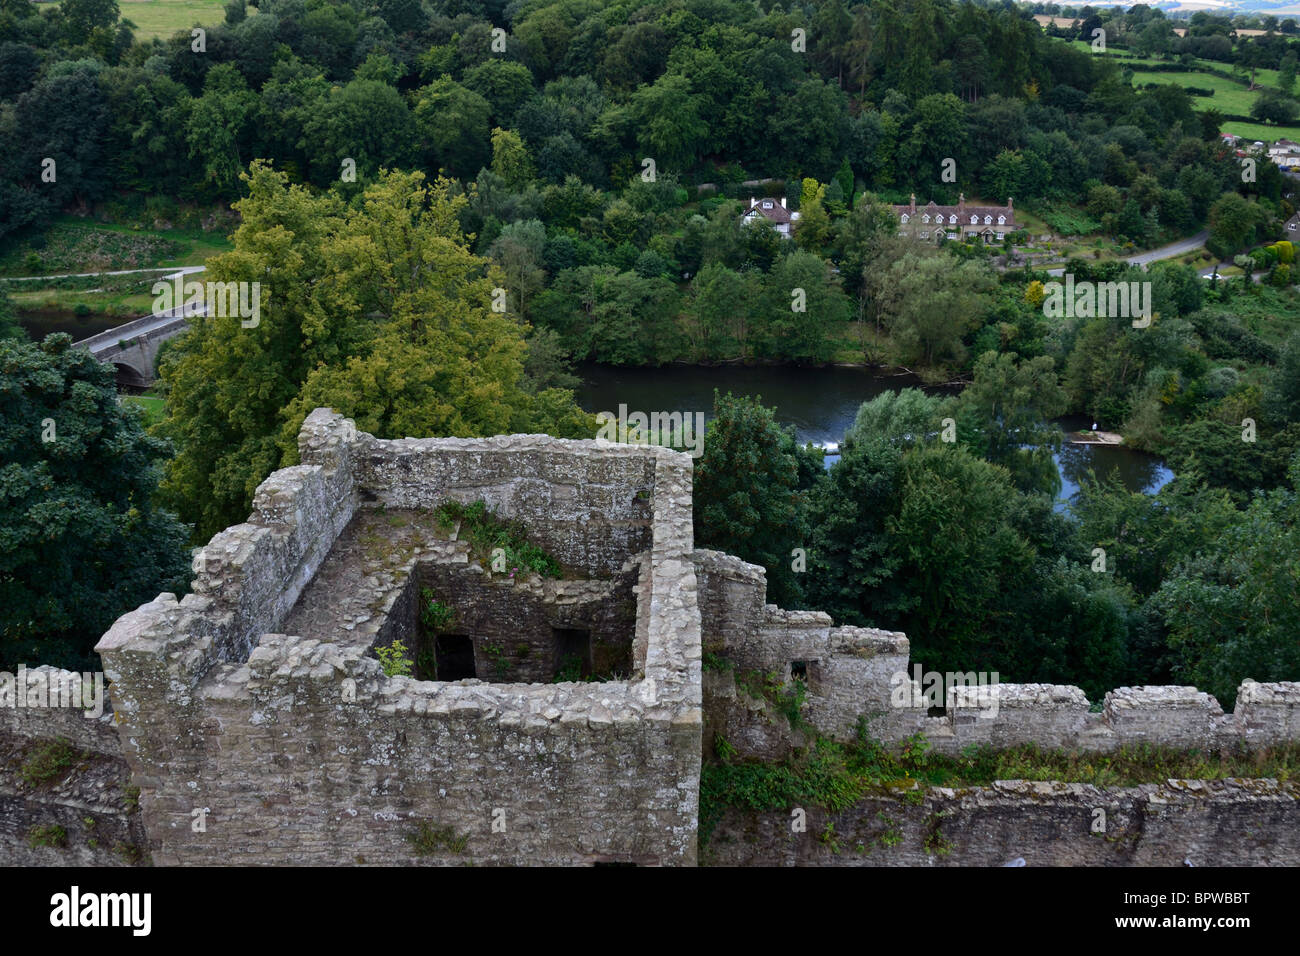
[[154, 322], [1180, 248], [1171, 251], [171, 273]]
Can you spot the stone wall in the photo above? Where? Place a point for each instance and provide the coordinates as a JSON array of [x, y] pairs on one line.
[[590, 510], [1175, 823], [83, 811], [512, 623], [78, 724], [298, 749], [855, 672], [260, 727]]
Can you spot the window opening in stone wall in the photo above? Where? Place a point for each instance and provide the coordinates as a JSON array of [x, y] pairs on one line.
[[455, 657], [572, 653], [807, 672]]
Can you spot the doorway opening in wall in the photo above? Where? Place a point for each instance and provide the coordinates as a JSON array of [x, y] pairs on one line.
[[572, 653], [455, 657]]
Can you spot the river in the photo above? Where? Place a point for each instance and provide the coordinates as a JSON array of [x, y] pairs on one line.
[[39, 323], [821, 403]]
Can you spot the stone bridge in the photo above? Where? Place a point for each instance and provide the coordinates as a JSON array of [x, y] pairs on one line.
[[133, 347]]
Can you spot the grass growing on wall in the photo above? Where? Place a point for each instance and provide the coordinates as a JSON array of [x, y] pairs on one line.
[[48, 760]]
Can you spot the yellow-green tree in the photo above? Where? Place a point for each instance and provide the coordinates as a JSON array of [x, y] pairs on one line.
[[814, 225], [510, 158], [378, 310]]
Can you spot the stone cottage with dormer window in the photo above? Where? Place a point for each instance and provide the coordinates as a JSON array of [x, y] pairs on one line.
[[934, 222]]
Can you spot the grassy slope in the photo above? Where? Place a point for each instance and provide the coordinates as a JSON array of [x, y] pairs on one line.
[[162, 18], [1229, 96], [78, 245], [81, 245]]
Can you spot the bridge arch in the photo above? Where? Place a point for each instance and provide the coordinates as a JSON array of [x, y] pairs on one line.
[[128, 376]]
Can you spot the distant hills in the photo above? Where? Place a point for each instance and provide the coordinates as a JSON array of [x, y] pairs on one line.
[[1279, 8]]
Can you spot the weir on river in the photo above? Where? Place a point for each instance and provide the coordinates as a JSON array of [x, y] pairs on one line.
[[822, 403]]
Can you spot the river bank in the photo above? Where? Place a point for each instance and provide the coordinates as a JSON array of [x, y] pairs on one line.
[[822, 403]]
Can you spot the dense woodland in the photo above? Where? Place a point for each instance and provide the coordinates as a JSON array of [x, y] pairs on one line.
[[525, 168]]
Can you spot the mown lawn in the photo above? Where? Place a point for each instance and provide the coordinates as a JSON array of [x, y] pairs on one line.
[[154, 408], [162, 18]]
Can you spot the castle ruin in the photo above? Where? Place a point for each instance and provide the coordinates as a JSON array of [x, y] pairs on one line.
[[564, 720]]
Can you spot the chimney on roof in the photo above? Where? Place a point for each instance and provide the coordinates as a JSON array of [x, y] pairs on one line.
[[753, 201], [912, 208], [1011, 203], [782, 202], [961, 201]]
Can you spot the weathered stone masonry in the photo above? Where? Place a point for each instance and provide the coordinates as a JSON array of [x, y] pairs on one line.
[[851, 672], [93, 804], [1174, 823], [258, 705], [300, 750]]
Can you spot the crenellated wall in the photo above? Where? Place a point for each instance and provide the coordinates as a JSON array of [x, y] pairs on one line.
[[260, 727], [298, 749], [862, 672], [77, 722]]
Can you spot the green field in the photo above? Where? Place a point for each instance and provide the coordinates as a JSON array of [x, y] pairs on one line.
[[74, 245], [1132, 60], [82, 245], [1259, 132], [162, 18], [1229, 97], [122, 296], [1113, 52]]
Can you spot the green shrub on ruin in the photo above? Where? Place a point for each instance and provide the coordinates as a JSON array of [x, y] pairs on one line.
[[486, 533]]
